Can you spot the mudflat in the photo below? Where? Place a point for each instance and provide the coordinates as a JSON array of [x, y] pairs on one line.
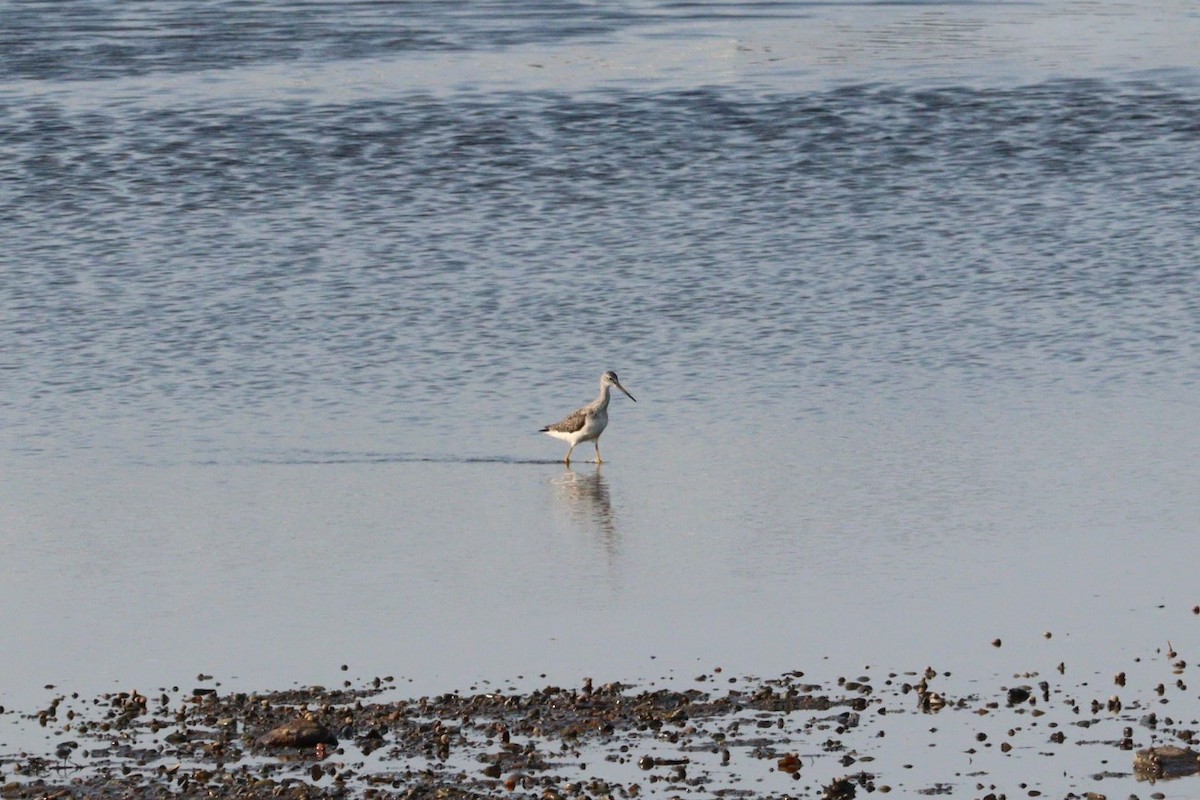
[[913, 732]]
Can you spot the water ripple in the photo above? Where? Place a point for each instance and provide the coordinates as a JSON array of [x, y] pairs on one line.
[[404, 260]]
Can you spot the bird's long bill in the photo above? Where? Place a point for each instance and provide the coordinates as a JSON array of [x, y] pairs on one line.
[[623, 389]]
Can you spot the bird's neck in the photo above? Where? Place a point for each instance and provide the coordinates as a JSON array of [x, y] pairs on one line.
[[602, 400]]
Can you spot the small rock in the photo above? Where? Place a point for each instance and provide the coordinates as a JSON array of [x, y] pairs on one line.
[[1166, 761], [301, 732], [1018, 695], [839, 789]]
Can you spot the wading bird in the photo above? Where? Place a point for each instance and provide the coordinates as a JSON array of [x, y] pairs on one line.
[[586, 424]]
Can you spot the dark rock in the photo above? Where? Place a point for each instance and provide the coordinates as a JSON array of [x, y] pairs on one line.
[[839, 789], [1018, 695], [1166, 761], [301, 732]]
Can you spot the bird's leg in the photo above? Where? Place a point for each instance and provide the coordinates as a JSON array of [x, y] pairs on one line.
[[567, 460], [599, 460]]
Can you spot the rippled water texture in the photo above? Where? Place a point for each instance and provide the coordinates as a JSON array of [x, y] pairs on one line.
[[907, 294], [406, 259]]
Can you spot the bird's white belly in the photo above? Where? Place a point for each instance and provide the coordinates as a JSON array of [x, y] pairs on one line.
[[593, 426]]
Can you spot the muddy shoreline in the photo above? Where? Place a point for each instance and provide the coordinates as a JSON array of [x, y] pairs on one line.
[[724, 736]]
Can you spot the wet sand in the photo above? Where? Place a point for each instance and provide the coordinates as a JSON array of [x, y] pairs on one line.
[[912, 732]]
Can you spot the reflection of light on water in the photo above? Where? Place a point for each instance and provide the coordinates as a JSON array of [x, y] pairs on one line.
[[589, 503]]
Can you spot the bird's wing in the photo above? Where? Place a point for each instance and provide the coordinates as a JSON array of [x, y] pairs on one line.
[[571, 423]]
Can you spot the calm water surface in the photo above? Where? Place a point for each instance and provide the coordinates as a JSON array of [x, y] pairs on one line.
[[908, 295]]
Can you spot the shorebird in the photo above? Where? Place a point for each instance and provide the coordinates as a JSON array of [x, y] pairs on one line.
[[586, 424]]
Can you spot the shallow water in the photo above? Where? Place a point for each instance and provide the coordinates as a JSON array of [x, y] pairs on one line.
[[907, 296]]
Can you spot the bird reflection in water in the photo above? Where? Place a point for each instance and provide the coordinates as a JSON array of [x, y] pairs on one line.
[[588, 501]]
